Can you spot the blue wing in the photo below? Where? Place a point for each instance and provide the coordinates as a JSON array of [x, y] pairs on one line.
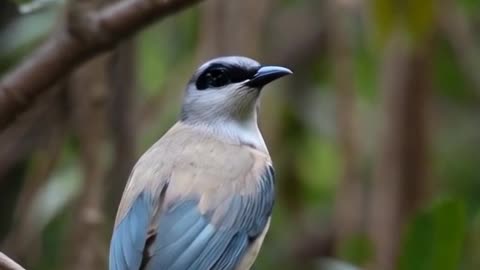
[[186, 239], [129, 237]]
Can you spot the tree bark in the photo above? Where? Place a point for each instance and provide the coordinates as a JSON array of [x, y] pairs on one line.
[[349, 200], [232, 28], [400, 183], [90, 96], [122, 112]]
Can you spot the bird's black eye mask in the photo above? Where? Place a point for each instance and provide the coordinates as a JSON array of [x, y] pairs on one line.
[[218, 75]]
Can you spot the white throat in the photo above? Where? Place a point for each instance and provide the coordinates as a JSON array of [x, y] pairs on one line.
[[236, 132]]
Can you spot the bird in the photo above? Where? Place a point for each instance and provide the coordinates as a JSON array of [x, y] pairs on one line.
[[201, 197]]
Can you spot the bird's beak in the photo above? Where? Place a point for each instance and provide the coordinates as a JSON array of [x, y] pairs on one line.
[[267, 74]]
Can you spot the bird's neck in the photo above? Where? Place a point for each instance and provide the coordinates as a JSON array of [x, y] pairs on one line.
[[243, 132]]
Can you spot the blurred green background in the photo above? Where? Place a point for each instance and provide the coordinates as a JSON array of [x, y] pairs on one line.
[[375, 139]]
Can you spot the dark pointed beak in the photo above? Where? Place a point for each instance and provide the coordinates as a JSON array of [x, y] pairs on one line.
[[267, 74]]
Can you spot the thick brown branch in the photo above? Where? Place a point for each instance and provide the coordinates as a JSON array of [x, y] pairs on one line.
[[72, 45], [8, 264]]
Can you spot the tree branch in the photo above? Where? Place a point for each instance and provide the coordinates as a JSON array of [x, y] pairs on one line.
[[8, 264], [74, 43]]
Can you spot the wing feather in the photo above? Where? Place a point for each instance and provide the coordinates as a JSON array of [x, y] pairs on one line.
[[128, 240], [186, 238]]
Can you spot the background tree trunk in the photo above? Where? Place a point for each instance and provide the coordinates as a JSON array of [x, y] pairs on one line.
[[90, 96], [401, 181], [349, 200], [232, 28], [123, 116]]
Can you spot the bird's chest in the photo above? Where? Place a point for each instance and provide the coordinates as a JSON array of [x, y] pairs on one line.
[[211, 172], [210, 182]]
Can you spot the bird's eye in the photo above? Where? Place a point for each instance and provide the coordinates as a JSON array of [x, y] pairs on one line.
[[217, 78], [213, 78]]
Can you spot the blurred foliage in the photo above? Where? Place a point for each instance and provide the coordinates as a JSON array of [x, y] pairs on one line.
[[358, 250], [450, 79], [444, 235], [416, 16], [317, 167], [435, 238]]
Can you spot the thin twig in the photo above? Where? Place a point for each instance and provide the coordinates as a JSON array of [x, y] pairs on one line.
[[8, 264]]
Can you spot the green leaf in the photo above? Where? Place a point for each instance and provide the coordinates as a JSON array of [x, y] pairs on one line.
[[449, 220], [417, 246], [434, 239]]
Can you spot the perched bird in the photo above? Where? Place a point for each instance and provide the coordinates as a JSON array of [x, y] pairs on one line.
[[201, 197]]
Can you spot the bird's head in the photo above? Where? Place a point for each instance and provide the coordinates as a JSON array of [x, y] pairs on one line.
[[227, 89]]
